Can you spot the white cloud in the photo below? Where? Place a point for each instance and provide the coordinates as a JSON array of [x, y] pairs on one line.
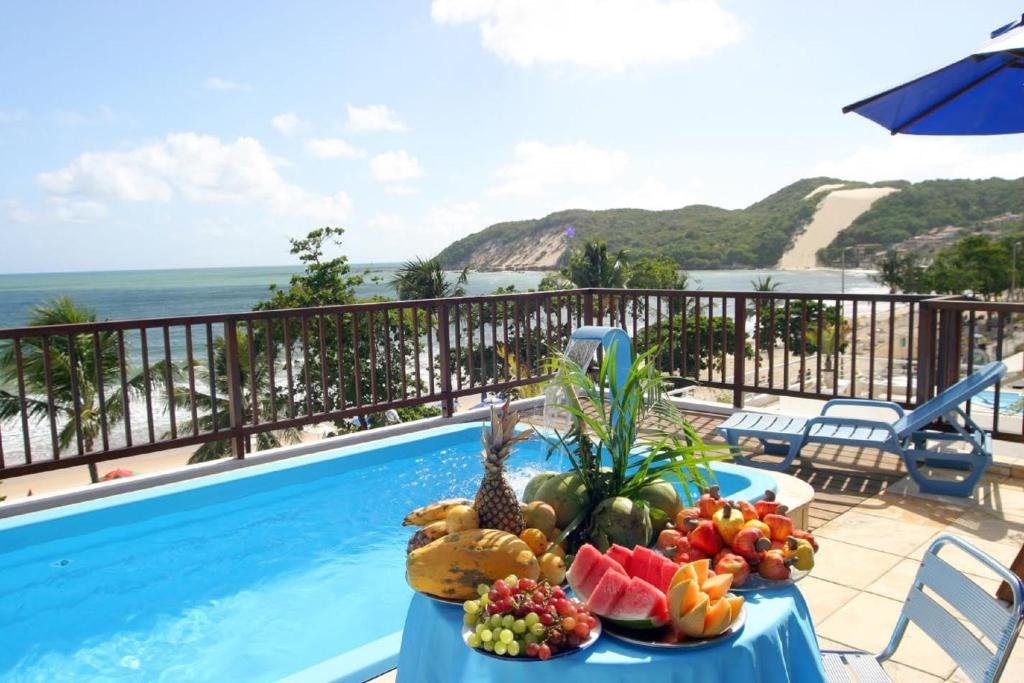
[[424, 236], [915, 158], [395, 166], [332, 148], [286, 123], [57, 210], [200, 168], [538, 166], [607, 35], [224, 85], [374, 117]]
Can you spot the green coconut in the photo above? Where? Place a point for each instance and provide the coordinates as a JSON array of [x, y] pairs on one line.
[[566, 493], [620, 520], [664, 500], [530, 492]]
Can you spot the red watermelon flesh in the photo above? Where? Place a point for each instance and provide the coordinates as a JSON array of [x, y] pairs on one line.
[[640, 600], [603, 566], [607, 592], [582, 565], [668, 570], [620, 555], [645, 564]]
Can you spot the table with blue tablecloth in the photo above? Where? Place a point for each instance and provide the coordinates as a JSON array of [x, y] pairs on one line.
[[776, 644]]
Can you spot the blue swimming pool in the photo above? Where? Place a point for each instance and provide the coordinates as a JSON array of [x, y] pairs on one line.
[[256, 574], [1009, 401]]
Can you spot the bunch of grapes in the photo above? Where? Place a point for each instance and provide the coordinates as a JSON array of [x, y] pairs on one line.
[[522, 618]]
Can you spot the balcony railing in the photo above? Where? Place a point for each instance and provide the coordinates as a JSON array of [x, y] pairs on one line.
[[234, 383]]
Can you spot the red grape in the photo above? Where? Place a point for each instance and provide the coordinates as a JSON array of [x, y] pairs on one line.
[[568, 623], [582, 630], [501, 587], [546, 619], [531, 649], [557, 593], [527, 584], [493, 595], [544, 652]]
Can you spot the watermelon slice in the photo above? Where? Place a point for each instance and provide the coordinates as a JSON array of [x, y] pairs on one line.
[[668, 570], [620, 555], [607, 592], [588, 568], [645, 564], [640, 601]]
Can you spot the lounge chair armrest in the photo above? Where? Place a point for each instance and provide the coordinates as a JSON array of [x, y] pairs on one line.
[[863, 403], [850, 422]]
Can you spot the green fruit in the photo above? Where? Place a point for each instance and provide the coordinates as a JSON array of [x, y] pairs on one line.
[[620, 520], [530, 493], [662, 495], [566, 494], [540, 515]]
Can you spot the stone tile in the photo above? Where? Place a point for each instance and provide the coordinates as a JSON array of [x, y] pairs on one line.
[[1001, 552], [863, 623], [826, 644], [901, 673], [870, 531], [977, 526], [921, 652], [896, 582], [386, 677], [911, 510], [824, 597], [850, 565]]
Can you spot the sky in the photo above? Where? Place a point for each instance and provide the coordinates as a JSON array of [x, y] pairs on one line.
[[193, 134]]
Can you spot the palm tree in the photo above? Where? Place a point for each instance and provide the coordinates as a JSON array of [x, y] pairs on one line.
[[765, 284], [593, 266], [73, 365], [221, 418], [766, 335], [426, 279]]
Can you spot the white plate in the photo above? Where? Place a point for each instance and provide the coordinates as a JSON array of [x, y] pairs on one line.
[[656, 637], [591, 639]]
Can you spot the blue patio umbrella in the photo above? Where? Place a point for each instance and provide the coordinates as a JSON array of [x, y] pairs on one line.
[[981, 94]]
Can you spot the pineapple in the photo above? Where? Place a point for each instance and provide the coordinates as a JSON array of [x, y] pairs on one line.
[[496, 503]]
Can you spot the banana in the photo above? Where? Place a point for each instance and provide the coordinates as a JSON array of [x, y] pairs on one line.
[[435, 512], [427, 534]]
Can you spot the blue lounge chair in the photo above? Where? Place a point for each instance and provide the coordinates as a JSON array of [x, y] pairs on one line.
[[907, 436], [999, 623]]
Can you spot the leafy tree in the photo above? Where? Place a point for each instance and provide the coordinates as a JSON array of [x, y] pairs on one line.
[[64, 373], [324, 282], [765, 284], [705, 343], [425, 279], [975, 263], [899, 272], [656, 273], [595, 266]]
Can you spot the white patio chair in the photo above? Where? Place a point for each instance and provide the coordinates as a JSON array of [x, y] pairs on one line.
[[999, 623]]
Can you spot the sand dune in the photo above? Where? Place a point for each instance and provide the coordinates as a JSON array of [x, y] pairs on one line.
[[835, 213]]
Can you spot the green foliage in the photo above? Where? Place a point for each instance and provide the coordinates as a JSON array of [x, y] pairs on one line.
[[923, 206], [324, 282], [705, 343], [900, 273], [419, 279], [976, 263], [697, 236], [593, 266], [656, 273]]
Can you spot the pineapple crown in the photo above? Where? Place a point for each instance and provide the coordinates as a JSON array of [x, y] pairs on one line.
[[499, 437]]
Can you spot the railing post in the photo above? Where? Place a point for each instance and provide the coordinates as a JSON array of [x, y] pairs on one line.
[[947, 371], [739, 358], [588, 307], [233, 370], [444, 350], [925, 352]]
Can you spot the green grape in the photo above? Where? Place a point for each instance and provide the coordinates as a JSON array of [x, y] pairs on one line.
[[489, 646], [495, 620], [508, 620], [538, 629], [474, 640], [479, 628], [506, 636], [469, 619], [483, 589], [471, 606], [511, 579], [484, 601], [486, 635], [519, 626], [531, 638], [500, 648], [514, 648], [531, 619]]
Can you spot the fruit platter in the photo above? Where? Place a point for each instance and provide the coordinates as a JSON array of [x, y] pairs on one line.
[[516, 617]]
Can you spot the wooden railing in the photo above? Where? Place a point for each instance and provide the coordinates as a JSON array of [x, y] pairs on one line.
[[230, 384]]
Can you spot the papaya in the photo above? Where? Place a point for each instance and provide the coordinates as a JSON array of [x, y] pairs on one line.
[[566, 493], [454, 565]]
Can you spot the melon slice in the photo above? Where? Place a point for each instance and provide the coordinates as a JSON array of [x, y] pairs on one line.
[[685, 572], [607, 592], [736, 603], [701, 567], [717, 586], [601, 566], [682, 598], [582, 566], [640, 601], [620, 555], [692, 623], [718, 618]]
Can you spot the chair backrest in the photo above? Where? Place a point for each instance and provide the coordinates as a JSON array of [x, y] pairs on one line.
[[949, 398], [999, 624]]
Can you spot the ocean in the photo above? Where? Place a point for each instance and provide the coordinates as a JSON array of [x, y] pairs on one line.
[[132, 294]]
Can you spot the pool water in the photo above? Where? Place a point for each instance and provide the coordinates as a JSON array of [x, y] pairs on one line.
[[248, 575], [1009, 401]]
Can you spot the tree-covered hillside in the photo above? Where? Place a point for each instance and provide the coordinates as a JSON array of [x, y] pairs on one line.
[[920, 207], [696, 236]]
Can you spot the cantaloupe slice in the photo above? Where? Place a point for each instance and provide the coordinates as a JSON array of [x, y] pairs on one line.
[[717, 586], [685, 572], [683, 597], [692, 623], [717, 618], [736, 602], [701, 567]]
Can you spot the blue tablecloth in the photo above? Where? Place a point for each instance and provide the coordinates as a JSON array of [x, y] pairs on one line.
[[777, 644]]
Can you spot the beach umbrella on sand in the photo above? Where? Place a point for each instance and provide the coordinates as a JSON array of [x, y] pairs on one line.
[[981, 94]]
